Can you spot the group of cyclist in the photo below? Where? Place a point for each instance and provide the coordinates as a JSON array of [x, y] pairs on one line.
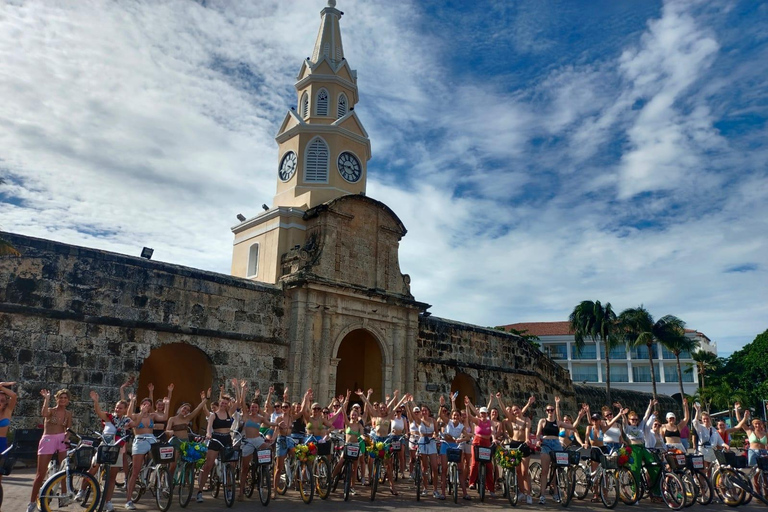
[[426, 438]]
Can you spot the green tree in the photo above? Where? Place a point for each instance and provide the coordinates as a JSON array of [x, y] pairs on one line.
[[639, 329], [706, 362], [597, 322], [677, 342]]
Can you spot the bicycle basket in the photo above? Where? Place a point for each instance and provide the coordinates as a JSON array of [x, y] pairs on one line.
[[229, 454], [264, 456], [676, 461], [163, 453], [695, 462], [6, 464], [735, 461], [610, 461], [762, 463], [83, 457], [560, 458], [483, 454], [454, 454], [574, 457], [351, 451], [106, 454], [720, 456], [323, 448]]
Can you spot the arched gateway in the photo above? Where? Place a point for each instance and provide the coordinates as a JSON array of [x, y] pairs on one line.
[[360, 365]]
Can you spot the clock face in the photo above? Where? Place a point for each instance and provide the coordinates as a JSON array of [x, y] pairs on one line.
[[349, 167], [287, 166]]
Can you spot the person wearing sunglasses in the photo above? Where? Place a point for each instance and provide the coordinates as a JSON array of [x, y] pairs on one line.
[[398, 430], [548, 434], [483, 438], [671, 430]]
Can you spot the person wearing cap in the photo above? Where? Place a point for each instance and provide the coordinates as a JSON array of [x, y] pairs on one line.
[[671, 431], [483, 439]]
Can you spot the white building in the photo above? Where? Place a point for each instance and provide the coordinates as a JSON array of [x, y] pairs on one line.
[[630, 368]]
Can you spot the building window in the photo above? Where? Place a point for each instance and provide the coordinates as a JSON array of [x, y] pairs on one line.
[[670, 373], [321, 107], [668, 354], [556, 350], [253, 261], [619, 373], [341, 109], [304, 105], [589, 351], [316, 164], [619, 352], [642, 352], [584, 372], [642, 373]]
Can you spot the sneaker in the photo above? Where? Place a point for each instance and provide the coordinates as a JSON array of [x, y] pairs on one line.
[[32, 507], [542, 500], [440, 496], [425, 492], [528, 499], [80, 495], [199, 498], [352, 492], [435, 494], [520, 496], [492, 494], [64, 502], [129, 505], [468, 497], [109, 507]]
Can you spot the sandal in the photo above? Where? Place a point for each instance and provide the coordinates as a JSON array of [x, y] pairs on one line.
[[595, 499], [394, 492]]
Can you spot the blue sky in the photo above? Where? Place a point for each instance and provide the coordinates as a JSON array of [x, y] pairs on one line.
[[539, 152]]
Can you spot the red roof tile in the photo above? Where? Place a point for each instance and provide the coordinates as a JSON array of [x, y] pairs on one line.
[[542, 328]]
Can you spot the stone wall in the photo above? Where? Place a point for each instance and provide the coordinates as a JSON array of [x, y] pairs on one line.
[[85, 319], [596, 397], [496, 360]]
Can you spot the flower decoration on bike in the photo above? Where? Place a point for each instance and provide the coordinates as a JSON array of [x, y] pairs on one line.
[[306, 452], [625, 456], [508, 459], [192, 451], [380, 450]]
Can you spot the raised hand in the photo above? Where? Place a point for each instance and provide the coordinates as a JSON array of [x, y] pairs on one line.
[[151, 387], [202, 395], [466, 400], [170, 387], [94, 396], [531, 399], [359, 392], [557, 399], [370, 392], [271, 389], [45, 393]]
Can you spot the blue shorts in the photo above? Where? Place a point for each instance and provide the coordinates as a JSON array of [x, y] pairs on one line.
[[445, 445], [284, 445], [752, 456], [427, 446], [551, 445]]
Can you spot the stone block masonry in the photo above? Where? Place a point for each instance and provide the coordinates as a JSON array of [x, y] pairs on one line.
[[85, 319]]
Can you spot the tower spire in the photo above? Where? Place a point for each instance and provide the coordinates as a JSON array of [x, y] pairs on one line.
[[328, 41]]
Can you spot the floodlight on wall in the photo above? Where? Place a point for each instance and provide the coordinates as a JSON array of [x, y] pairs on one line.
[[241, 217], [265, 207], [147, 253]]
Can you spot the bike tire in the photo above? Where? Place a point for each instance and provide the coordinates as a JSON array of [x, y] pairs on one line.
[[510, 482], [214, 481], [762, 486], [51, 499], [481, 480], [704, 488], [265, 484], [347, 479], [672, 491], [375, 477], [690, 488], [628, 487], [417, 478], [564, 479], [187, 485], [250, 480], [306, 481], [282, 482], [609, 490], [322, 472], [453, 478], [580, 482], [396, 466], [229, 485], [163, 488], [534, 470]]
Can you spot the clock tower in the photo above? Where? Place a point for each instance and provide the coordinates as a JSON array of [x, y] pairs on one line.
[[323, 151]]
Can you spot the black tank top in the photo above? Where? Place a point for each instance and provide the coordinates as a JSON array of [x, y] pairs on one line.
[[550, 428], [222, 423], [298, 426]]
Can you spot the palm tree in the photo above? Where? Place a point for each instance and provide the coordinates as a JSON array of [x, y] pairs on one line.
[[705, 363], [677, 343], [639, 329], [597, 322]]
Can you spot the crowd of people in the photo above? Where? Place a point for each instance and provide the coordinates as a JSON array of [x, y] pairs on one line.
[[274, 420]]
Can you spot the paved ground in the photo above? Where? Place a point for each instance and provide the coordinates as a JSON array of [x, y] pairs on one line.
[[17, 487]]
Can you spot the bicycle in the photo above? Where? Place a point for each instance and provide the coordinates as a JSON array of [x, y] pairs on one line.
[[297, 473], [61, 488], [678, 463], [703, 487], [483, 455], [260, 474], [107, 454], [223, 473], [376, 475], [321, 469], [735, 487], [670, 485], [611, 482], [154, 476], [7, 461], [453, 456], [351, 454], [191, 452]]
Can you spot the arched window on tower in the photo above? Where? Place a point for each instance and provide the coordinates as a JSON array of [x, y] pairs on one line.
[[341, 109], [253, 261], [316, 164], [304, 105], [321, 108]]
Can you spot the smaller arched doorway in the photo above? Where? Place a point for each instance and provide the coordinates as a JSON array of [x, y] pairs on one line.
[[466, 386], [185, 366], [360, 365]]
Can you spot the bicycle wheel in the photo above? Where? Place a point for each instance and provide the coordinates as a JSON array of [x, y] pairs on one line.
[[214, 480], [564, 481], [229, 485], [375, 477], [187, 484], [535, 471], [762, 485], [306, 480], [672, 491], [282, 482], [453, 478], [628, 493], [609, 490], [703, 488], [322, 477], [481, 481], [265, 484], [396, 466], [417, 478], [347, 479], [689, 486], [580, 482], [510, 482], [51, 497], [163, 488]]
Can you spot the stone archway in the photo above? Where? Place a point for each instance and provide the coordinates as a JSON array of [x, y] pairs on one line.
[[184, 365], [360, 365], [466, 386]]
